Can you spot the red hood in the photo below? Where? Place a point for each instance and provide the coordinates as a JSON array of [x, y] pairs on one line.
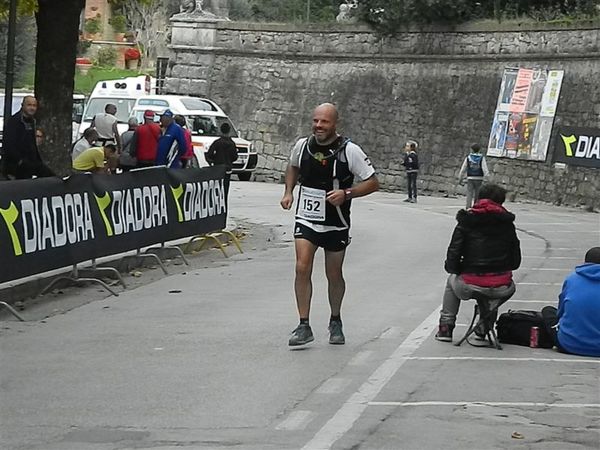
[[487, 206]]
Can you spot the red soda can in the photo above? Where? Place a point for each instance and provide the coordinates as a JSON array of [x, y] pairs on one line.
[[534, 335]]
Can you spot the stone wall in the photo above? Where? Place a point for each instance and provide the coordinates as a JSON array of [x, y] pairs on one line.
[[438, 87]]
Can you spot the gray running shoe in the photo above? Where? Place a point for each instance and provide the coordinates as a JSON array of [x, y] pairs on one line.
[[336, 335], [301, 335]]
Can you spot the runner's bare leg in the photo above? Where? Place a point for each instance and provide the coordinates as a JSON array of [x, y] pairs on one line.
[[335, 279], [305, 254]]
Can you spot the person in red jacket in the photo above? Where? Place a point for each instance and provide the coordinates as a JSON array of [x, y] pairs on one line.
[[186, 158], [146, 140], [483, 252]]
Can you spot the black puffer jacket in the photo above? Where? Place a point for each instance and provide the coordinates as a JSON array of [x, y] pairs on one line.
[[484, 241]]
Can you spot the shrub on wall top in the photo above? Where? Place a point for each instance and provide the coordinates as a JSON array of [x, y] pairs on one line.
[[107, 56]]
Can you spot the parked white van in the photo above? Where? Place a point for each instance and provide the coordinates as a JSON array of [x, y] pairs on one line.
[[122, 93], [204, 119]]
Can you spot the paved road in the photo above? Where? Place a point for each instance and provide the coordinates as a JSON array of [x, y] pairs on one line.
[[209, 367]]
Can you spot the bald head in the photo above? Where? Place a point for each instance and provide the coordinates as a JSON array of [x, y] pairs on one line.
[[324, 125], [328, 108]]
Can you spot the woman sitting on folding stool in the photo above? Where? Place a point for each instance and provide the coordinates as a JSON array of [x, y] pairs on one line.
[[482, 254]]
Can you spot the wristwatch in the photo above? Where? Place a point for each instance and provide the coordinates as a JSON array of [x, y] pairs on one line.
[[348, 194]]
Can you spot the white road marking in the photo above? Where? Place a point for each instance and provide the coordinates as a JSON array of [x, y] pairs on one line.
[[572, 231], [553, 257], [507, 404], [391, 333], [531, 301], [360, 358], [491, 358], [297, 420], [333, 386], [551, 249], [552, 223], [350, 411]]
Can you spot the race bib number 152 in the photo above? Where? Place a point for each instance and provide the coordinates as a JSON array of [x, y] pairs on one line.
[[311, 204]]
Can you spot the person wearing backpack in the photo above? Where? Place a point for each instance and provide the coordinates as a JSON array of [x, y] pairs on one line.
[[326, 165], [475, 168], [575, 326]]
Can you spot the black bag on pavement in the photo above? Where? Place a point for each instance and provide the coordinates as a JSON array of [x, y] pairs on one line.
[[514, 327]]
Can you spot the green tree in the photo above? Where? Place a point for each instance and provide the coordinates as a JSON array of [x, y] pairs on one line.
[[148, 20], [24, 48], [391, 16], [285, 10]]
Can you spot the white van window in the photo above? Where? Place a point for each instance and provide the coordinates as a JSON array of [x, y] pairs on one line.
[[195, 104], [153, 102], [96, 105], [139, 116], [17, 100], [78, 106], [209, 125]]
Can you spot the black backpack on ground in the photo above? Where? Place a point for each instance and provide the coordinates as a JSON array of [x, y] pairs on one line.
[[514, 327]]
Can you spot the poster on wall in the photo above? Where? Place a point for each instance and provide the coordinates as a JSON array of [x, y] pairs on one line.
[[525, 111]]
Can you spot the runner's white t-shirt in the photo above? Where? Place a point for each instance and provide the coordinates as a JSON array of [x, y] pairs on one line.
[[358, 163]]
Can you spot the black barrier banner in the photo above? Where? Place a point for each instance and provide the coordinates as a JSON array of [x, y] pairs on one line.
[[578, 146], [50, 223]]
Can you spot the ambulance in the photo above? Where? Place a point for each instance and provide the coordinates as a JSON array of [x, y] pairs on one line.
[[122, 93]]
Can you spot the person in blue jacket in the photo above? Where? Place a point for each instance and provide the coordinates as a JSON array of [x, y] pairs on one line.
[[575, 326], [171, 143]]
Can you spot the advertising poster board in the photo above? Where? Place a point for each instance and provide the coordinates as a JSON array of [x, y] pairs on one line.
[[525, 112]]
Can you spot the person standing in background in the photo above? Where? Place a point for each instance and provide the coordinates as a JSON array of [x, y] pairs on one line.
[[223, 151], [171, 143], [21, 158], [186, 158], [475, 168], [127, 160], [106, 125], [411, 164], [145, 140]]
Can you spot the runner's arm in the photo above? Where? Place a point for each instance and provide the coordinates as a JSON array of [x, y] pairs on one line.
[[291, 178], [366, 187], [117, 136]]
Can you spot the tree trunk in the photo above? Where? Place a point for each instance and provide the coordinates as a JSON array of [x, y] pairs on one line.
[[57, 36]]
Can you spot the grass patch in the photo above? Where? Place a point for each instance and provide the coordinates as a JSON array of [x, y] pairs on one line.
[[83, 83]]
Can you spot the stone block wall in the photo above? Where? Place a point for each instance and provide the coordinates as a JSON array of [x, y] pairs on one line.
[[438, 87]]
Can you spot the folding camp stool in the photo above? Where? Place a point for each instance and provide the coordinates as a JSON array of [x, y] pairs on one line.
[[484, 318]]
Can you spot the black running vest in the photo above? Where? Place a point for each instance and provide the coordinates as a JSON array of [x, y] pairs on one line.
[[326, 167]]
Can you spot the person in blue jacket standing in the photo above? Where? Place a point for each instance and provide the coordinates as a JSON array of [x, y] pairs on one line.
[[575, 326], [171, 142]]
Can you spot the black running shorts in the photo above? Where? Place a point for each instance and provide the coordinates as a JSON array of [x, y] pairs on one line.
[[332, 241]]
